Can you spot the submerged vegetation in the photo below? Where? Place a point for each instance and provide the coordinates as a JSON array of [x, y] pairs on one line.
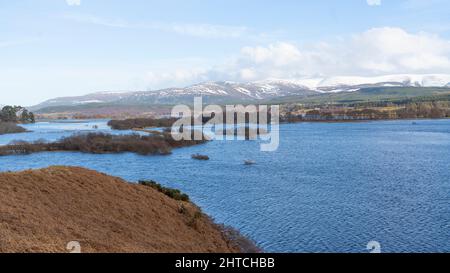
[[99, 143]]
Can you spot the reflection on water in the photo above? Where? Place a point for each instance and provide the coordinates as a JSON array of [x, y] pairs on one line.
[[329, 188]]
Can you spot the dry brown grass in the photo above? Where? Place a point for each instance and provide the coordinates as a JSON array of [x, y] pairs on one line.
[[43, 210]]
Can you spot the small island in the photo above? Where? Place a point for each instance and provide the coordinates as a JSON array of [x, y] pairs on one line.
[[10, 116], [200, 157], [101, 143]]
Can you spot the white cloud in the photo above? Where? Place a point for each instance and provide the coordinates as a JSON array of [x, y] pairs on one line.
[[280, 54], [7, 43], [16, 42], [174, 78], [195, 30], [393, 49], [377, 51], [205, 30], [73, 2], [248, 74], [373, 2], [374, 52]]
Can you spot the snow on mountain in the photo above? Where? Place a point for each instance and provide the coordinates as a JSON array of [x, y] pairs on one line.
[[431, 80], [220, 92], [87, 101], [353, 83]]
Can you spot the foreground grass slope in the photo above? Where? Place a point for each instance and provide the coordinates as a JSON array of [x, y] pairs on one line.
[[43, 210]]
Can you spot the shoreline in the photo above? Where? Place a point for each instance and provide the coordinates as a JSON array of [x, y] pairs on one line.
[[186, 227], [360, 121]]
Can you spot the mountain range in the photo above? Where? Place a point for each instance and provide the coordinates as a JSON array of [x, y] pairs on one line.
[[227, 92]]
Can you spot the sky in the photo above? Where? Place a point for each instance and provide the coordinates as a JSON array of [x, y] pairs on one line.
[[54, 48]]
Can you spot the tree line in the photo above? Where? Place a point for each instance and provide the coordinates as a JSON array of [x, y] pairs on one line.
[[16, 114], [413, 110]]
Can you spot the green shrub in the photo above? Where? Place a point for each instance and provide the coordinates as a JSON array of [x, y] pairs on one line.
[[172, 193]]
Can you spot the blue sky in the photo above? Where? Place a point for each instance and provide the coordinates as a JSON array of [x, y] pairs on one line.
[[51, 48]]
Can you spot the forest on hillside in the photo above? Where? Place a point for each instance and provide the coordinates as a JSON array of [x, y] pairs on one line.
[[412, 110]]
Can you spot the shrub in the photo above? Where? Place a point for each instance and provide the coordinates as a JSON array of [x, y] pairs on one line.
[[182, 209], [140, 123], [193, 221], [172, 193], [10, 128], [99, 143]]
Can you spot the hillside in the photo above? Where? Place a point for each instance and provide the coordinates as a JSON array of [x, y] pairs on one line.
[[349, 89], [232, 92], [212, 92], [43, 210], [372, 94]]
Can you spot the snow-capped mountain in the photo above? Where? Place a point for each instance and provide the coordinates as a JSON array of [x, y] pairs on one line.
[[336, 84], [216, 92], [219, 92]]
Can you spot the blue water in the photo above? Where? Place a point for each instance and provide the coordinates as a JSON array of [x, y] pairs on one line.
[[330, 187], [51, 131]]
